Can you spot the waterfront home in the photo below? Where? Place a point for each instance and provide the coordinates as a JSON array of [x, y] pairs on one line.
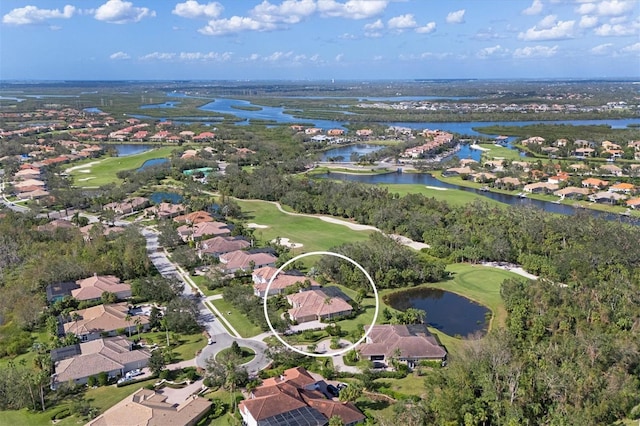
[[166, 210], [540, 187], [571, 192], [634, 203], [407, 343], [606, 197]]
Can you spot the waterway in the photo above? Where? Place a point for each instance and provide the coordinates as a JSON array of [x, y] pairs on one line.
[[448, 312], [428, 180], [152, 162], [346, 151], [124, 149]]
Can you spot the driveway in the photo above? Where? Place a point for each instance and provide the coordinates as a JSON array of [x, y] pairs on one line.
[[223, 341]]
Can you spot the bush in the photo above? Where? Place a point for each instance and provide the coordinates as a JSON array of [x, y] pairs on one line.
[[92, 381], [103, 378], [61, 414]]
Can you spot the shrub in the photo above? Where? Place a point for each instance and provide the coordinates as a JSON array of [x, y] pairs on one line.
[[103, 378], [91, 382]]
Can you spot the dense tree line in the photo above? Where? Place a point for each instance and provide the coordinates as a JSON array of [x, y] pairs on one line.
[[389, 263]]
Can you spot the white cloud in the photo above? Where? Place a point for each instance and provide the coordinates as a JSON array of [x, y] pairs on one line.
[[158, 56], [615, 7], [588, 21], [276, 56], [33, 15], [547, 30], [487, 34], [208, 56], [456, 17], [608, 30], [632, 48], [352, 9], [534, 9], [402, 22], [586, 8], [535, 52], [601, 49], [348, 36], [119, 56], [378, 58], [374, 26], [122, 12], [493, 51], [427, 29], [339, 57], [193, 9], [289, 11], [235, 24]]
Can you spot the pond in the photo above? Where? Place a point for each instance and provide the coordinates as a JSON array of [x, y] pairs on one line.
[[448, 312], [152, 162], [124, 149], [159, 197]]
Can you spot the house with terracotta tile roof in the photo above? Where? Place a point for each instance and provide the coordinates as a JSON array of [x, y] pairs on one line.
[[220, 245], [283, 280], [194, 217], [113, 355], [317, 305], [245, 261], [634, 203], [594, 183], [201, 230], [148, 408], [407, 343], [92, 288], [294, 398], [571, 192], [127, 206], [166, 210], [56, 224], [101, 320], [624, 187]]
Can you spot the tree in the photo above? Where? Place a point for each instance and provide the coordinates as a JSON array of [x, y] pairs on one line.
[[225, 371], [182, 315], [156, 362], [335, 421], [350, 393]]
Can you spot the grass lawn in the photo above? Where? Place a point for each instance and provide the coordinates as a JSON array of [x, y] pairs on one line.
[[240, 322], [105, 169], [186, 346], [503, 152], [313, 233], [455, 197], [246, 354]]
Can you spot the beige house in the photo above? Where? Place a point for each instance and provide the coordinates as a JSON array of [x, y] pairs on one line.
[[246, 261], [113, 355], [220, 245], [92, 288], [283, 280], [407, 343], [103, 320], [540, 187], [149, 408], [317, 305], [201, 230]]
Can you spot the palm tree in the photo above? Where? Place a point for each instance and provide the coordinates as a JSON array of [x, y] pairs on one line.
[[75, 317], [128, 320], [165, 325]]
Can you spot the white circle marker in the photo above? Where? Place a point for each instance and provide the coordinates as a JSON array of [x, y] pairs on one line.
[[325, 253]]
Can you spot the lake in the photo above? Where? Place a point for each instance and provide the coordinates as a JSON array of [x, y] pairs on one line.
[[448, 312], [168, 104], [124, 149], [346, 151]]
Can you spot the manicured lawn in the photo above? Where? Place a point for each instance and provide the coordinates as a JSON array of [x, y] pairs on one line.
[[186, 346], [247, 354], [240, 322], [313, 233], [454, 197], [105, 169], [503, 152]]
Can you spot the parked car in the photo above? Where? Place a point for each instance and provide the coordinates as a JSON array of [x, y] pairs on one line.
[[341, 386], [134, 373], [333, 390], [210, 341]]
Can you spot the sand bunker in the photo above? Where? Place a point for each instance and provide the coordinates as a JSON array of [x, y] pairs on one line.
[[255, 225], [87, 178], [285, 242], [436, 188], [83, 166]]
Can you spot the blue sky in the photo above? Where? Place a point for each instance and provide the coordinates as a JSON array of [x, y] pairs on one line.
[[318, 39]]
